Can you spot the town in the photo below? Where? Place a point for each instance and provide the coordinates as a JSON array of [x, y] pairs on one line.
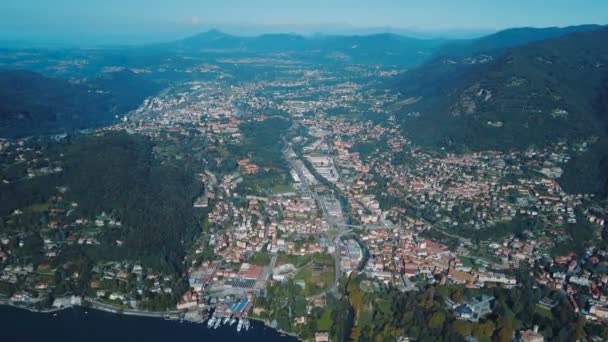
[[338, 191]]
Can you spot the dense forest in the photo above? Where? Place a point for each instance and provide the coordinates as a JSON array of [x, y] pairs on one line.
[[32, 104], [383, 313], [263, 144], [263, 141], [118, 174]]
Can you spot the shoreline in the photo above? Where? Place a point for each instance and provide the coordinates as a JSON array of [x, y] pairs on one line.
[[30, 309], [267, 324], [88, 303], [109, 308]]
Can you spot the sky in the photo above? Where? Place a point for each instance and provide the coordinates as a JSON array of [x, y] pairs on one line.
[[158, 20]]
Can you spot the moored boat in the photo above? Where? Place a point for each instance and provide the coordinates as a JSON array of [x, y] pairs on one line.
[[211, 322]]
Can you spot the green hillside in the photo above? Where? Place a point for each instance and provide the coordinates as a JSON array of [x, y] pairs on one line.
[[535, 94], [32, 104], [117, 174]]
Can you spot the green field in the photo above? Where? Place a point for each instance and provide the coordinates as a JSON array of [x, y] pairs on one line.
[[317, 281], [467, 261], [259, 258], [282, 188], [325, 322], [296, 260]]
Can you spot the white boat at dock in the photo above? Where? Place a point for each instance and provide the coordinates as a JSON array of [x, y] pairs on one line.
[[246, 324], [211, 322]]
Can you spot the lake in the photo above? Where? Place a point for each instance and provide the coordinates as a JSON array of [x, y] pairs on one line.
[[78, 324]]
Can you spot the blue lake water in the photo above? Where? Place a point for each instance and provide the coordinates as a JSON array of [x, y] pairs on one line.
[[88, 325]]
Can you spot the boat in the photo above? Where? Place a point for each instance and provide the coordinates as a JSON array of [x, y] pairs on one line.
[[204, 317], [239, 326], [246, 324], [211, 322], [217, 323], [226, 320], [232, 321]]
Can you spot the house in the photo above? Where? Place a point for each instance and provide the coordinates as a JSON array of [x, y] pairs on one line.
[[464, 311], [599, 311], [322, 337], [475, 309], [547, 303], [459, 277], [532, 335]]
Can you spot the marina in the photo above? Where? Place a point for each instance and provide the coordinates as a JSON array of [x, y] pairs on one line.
[[216, 320]]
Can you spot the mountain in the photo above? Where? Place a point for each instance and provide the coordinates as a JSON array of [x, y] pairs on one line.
[[31, 103], [384, 48], [500, 41], [456, 60], [533, 94], [537, 93]]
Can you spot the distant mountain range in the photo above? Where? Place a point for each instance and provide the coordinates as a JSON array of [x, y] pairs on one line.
[[374, 48], [498, 42], [381, 48]]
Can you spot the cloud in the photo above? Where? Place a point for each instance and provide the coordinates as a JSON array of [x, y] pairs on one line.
[[195, 20]]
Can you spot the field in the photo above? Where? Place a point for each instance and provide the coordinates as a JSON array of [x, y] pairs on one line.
[[318, 275], [296, 260], [282, 188]]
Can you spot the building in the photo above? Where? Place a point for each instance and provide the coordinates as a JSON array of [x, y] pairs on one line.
[[322, 337], [532, 335], [476, 309], [599, 311]]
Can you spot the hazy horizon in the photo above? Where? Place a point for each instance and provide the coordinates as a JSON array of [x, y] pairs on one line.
[[95, 22]]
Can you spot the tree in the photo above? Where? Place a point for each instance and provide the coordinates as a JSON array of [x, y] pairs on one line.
[[579, 328], [505, 329], [458, 294], [462, 327], [437, 320], [484, 329], [355, 334]]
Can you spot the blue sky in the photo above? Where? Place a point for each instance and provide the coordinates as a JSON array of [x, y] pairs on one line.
[[166, 19]]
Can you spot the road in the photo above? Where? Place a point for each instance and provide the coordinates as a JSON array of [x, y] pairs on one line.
[[273, 261], [334, 288], [287, 153], [95, 304]]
